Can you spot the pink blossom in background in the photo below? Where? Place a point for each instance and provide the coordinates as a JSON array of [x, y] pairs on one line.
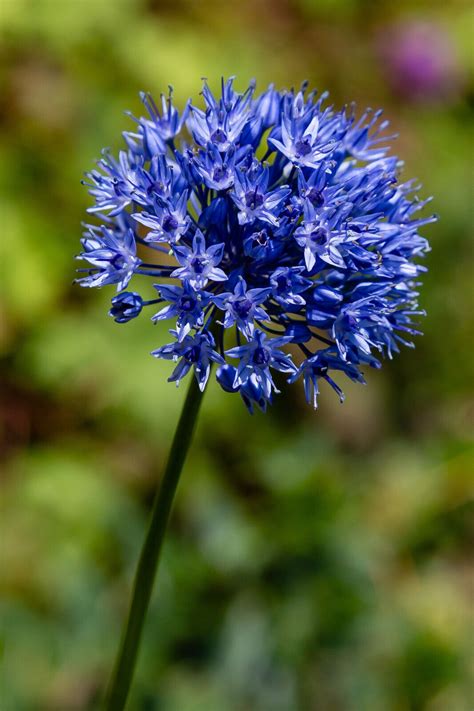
[[420, 61]]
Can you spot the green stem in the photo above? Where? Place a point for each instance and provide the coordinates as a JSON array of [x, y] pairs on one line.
[[119, 687]]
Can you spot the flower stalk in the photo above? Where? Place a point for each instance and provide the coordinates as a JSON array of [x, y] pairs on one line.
[[119, 687]]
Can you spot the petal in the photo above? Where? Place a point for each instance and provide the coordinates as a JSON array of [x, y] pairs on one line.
[[309, 259]]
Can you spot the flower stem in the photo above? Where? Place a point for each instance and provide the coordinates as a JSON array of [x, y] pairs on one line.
[[119, 686]]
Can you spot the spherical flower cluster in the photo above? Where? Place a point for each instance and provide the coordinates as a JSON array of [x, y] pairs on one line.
[[289, 241]]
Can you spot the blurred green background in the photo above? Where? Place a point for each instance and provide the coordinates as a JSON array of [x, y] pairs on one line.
[[316, 561]]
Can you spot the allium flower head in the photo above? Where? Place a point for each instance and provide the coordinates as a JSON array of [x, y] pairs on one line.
[[290, 242]]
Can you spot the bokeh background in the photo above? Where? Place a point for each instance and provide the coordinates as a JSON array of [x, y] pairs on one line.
[[316, 561]]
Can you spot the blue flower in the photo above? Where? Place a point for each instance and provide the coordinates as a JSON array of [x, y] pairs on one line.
[[254, 200], [317, 366], [299, 136], [199, 264], [242, 306], [267, 108], [251, 390], [112, 256], [160, 180], [126, 306], [288, 284], [157, 131], [185, 304], [113, 185], [262, 244], [195, 352], [168, 222], [316, 188], [223, 121], [281, 221], [257, 357], [318, 239], [216, 169], [361, 136]]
